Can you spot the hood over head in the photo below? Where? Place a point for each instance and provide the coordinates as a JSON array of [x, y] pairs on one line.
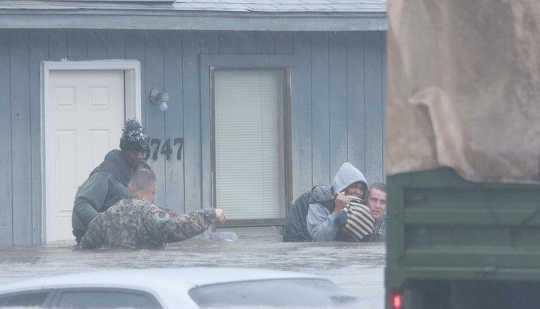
[[346, 176]]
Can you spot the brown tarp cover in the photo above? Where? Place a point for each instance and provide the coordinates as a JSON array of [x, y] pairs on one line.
[[464, 88]]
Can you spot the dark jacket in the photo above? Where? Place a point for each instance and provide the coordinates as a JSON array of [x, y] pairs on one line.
[[106, 185], [295, 228]]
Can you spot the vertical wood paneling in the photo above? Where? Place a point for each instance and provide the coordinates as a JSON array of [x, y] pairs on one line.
[[301, 116], [237, 42], [154, 63], [76, 45], [174, 121], [209, 45], [264, 43], [21, 151], [38, 52], [58, 49], [320, 108], [209, 42], [134, 49], [338, 101], [114, 39], [6, 211], [374, 98], [356, 107], [284, 43], [192, 125], [97, 45]]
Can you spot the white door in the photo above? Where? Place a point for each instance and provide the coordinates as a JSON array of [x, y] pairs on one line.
[[84, 114], [249, 143]]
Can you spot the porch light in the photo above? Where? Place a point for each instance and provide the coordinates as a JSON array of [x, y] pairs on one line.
[[160, 98]]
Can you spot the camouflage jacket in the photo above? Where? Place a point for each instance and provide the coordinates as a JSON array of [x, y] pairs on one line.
[[135, 223]]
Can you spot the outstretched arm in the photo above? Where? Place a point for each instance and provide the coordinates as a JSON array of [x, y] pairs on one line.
[[173, 227], [182, 227]]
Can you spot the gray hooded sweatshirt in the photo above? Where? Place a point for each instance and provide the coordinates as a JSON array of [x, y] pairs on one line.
[[322, 223]]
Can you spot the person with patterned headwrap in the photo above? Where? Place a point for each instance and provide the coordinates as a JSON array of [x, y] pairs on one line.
[[107, 183]]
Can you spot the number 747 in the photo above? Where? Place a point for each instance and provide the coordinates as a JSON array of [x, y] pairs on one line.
[[166, 148]]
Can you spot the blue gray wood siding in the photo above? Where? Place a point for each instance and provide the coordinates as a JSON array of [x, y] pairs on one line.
[[338, 93]]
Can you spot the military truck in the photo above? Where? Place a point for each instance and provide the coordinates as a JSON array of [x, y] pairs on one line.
[[452, 243], [463, 154]]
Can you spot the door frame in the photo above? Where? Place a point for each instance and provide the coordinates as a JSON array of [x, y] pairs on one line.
[[212, 63], [132, 101]]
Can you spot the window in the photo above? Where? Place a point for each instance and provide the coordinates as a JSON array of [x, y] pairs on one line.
[[249, 143], [26, 299], [106, 299], [273, 293]]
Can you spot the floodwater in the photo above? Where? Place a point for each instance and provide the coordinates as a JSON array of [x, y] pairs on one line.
[[356, 267]]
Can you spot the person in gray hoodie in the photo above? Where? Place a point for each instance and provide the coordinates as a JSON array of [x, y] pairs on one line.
[[318, 215], [325, 223]]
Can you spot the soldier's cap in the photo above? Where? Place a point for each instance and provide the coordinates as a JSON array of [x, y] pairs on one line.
[[133, 137]]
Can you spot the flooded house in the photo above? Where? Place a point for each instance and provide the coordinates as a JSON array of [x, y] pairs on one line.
[[248, 103]]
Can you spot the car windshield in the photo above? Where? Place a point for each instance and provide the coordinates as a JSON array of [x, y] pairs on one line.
[[270, 293]]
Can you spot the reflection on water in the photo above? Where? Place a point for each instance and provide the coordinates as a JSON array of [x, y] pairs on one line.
[[356, 267]]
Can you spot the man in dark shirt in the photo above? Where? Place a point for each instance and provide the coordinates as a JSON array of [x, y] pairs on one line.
[[107, 183]]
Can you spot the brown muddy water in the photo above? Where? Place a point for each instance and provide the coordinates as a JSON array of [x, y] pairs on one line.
[[356, 267]]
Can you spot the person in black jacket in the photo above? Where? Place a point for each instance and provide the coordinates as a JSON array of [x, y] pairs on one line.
[[108, 182]]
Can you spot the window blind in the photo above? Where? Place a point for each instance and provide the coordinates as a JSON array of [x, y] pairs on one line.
[[248, 143]]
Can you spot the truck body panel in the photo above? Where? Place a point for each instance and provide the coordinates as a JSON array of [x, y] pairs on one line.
[[445, 231]]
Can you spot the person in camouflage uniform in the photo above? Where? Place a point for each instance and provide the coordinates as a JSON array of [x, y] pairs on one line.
[[137, 223]]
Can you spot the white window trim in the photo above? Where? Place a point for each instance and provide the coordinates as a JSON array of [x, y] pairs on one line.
[[132, 98]]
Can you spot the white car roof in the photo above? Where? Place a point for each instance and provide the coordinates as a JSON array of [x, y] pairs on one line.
[[151, 279]]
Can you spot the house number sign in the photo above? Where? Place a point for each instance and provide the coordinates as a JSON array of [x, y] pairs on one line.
[[166, 148]]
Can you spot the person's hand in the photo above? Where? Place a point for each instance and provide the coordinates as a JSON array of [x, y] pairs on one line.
[[220, 215], [341, 202]]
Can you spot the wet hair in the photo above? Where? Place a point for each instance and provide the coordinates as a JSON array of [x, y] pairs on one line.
[[142, 180], [133, 138], [379, 186]]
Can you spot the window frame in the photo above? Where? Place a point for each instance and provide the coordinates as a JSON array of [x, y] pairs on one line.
[[228, 285], [209, 65], [55, 300], [46, 303]]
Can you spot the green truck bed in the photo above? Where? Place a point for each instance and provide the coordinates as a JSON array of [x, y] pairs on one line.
[[455, 241]]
